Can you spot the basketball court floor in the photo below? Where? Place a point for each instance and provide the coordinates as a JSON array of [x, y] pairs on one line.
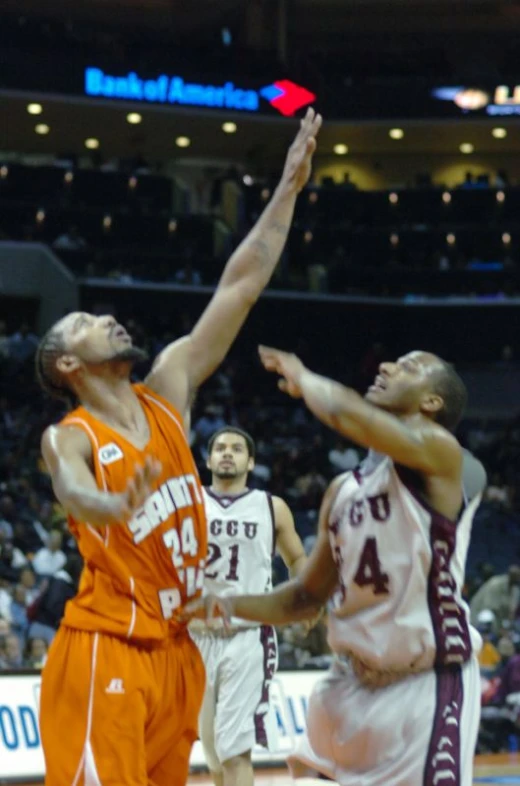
[[502, 770]]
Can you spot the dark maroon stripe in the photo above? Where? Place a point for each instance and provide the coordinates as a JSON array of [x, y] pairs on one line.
[[406, 477], [226, 500], [270, 650], [273, 520], [449, 620], [443, 761]]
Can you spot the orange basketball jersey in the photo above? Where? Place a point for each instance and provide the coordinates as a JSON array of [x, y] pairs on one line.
[[138, 573]]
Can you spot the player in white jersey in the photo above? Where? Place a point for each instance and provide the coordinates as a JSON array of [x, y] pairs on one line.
[[401, 705], [245, 526]]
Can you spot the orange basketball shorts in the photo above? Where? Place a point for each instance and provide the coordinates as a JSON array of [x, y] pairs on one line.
[[116, 714]]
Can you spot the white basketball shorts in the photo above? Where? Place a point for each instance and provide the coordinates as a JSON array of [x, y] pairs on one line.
[[420, 731], [236, 712]]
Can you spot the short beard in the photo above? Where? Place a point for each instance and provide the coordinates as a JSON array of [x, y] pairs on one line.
[[133, 355], [226, 474]]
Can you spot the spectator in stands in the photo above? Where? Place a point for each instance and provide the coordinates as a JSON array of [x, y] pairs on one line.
[[19, 621], [11, 561], [7, 515], [71, 240], [509, 680], [5, 599], [4, 342], [28, 582], [188, 275], [47, 611], [500, 594], [50, 559], [23, 344], [13, 653], [36, 653]]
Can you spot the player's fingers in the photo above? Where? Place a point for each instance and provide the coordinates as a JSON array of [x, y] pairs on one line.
[[130, 494], [311, 146], [283, 385], [316, 125]]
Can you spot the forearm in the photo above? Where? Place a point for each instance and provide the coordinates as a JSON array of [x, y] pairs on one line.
[[297, 566], [326, 398], [254, 261], [289, 602], [86, 504]]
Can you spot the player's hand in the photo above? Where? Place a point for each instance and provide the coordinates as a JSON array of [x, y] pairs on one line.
[[297, 169], [208, 608], [287, 365], [308, 625], [138, 489]]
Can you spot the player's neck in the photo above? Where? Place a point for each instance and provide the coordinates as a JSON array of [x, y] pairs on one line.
[[230, 487], [111, 399]]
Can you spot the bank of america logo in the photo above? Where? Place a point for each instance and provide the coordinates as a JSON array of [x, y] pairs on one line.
[[287, 97]]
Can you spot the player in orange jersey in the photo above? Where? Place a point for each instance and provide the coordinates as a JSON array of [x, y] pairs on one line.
[[123, 683]]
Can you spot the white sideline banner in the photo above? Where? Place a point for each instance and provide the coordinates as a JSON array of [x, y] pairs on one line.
[[21, 755]]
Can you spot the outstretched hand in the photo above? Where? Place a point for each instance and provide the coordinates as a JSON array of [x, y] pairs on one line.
[[138, 489], [208, 608], [287, 365], [298, 163]]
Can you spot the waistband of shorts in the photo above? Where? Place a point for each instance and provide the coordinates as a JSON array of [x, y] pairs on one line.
[[371, 678], [220, 632]]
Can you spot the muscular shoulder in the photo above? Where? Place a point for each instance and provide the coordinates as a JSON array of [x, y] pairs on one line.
[[62, 441]]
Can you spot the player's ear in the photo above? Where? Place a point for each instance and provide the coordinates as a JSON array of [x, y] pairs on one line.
[[250, 464], [431, 403], [68, 364]]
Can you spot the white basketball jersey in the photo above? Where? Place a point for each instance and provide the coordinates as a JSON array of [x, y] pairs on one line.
[[241, 542], [401, 570]]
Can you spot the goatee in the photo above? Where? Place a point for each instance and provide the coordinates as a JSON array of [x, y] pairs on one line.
[[132, 355]]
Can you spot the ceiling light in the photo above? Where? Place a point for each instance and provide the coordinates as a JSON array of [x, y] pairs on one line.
[[248, 180], [499, 133], [446, 197], [451, 239], [183, 141], [341, 150], [396, 133], [229, 128], [40, 216], [466, 148], [506, 238], [134, 118], [394, 239], [42, 129], [501, 197], [92, 143], [34, 109], [393, 198]]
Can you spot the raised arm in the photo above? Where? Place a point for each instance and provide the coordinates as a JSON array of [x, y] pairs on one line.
[[68, 455], [182, 367], [298, 599], [429, 449], [288, 542]]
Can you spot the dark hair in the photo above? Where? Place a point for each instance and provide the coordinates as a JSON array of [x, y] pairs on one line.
[[452, 390], [50, 348], [251, 449]]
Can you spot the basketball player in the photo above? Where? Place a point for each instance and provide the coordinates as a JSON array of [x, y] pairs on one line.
[[123, 684], [244, 528], [401, 705]]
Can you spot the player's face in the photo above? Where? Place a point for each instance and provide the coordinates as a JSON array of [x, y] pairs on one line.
[[229, 458], [401, 386], [92, 339]]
